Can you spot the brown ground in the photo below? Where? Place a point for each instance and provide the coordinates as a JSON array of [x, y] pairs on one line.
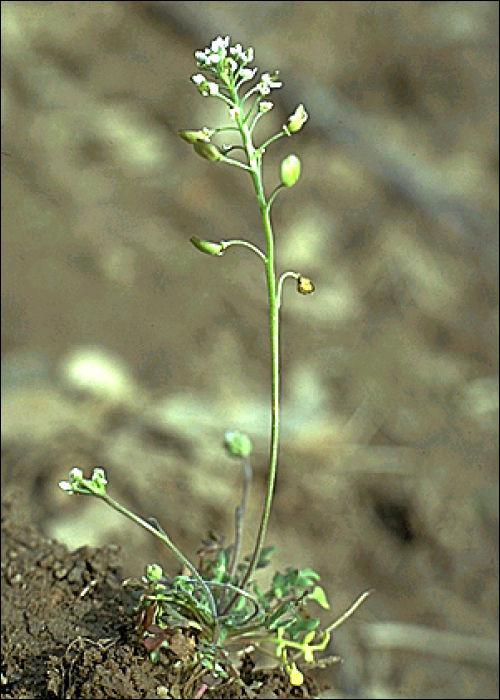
[[66, 635], [388, 472]]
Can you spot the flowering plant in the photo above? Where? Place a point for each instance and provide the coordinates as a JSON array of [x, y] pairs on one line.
[[213, 605]]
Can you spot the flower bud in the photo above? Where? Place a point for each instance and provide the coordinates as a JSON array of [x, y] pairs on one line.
[[304, 285], [238, 444], [265, 106], [296, 120], [154, 572], [290, 170], [207, 150], [99, 476], [207, 246]]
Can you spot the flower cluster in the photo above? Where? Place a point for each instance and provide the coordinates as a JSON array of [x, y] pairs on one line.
[[78, 484], [229, 64], [228, 69], [212, 58]]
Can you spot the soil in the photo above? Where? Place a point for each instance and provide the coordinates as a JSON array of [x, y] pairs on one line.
[[388, 471], [65, 633]]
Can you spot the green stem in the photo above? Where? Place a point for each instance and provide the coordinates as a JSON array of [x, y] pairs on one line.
[[255, 164], [270, 140], [283, 277], [246, 244], [176, 552]]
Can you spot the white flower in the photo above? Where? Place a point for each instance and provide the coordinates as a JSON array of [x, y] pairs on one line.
[[201, 58], [220, 44], [267, 83], [212, 88], [233, 66], [205, 86], [213, 59], [75, 475], [237, 50], [66, 486], [206, 59], [241, 55], [234, 112], [247, 73], [99, 476], [248, 55], [265, 106]]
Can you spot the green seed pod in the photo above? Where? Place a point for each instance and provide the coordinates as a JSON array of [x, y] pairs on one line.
[[207, 246], [290, 170], [238, 444], [207, 150], [296, 120], [192, 136], [304, 285]]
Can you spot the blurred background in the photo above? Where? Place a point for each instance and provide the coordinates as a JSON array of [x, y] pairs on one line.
[[124, 347]]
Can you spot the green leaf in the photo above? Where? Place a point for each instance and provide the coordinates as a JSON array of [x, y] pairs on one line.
[[240, 604], [299, 626], [265, 557], [280, 585], [277, 618], [318, 594], [155, 655], [306, 577]]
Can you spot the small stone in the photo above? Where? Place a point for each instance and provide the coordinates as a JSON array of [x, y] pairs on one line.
[[94, 372]]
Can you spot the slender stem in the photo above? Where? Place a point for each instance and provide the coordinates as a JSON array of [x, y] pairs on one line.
[[239, 517], [176, 552], [270, 140], [246, 244], [283, 277], [350, 611], [255, 163], [339, 621], [275, 192], [232, 161]]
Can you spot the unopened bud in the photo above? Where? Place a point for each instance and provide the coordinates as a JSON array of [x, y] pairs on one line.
[[207, 246], [304, 285], [154, 572], [290, 170], [238, 444], [207, 150], [265, 106]]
